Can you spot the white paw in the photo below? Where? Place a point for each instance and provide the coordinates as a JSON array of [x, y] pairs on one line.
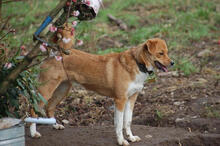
[[134, 138], [123, 142], [58, 126], [36, 135]]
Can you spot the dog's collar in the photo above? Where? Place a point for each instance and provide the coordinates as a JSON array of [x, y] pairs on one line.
[[143, 68]]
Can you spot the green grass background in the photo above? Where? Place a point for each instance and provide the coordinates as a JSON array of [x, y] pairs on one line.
[[181, 23]]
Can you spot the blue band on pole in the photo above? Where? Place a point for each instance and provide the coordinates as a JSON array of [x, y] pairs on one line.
[[43, 25]]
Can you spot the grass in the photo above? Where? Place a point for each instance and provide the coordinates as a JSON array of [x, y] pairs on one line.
[[111, 50], [186, 66], [140, 35], [212, 112], [159, 115], [179, 22], [26, 17]]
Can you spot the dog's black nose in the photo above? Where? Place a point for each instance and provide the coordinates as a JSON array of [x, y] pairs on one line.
[[171, 63]]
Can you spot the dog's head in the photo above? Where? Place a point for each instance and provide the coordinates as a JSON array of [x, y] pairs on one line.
[[65, 36], [154, 53]]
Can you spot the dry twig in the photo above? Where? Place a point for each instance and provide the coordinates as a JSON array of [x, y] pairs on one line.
[[9, 1], [119, 22]]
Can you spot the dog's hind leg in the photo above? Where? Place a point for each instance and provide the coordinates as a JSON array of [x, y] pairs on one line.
[[128, 118], [46, 91], [34, 133], [59, 94]]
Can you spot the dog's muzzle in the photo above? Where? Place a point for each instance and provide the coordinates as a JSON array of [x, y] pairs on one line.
[[160, 66]]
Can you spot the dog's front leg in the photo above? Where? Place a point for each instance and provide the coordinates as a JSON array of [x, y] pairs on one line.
[[128, 112], [118, 120]]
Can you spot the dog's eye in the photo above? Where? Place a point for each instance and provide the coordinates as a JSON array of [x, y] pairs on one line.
[[161, 53]]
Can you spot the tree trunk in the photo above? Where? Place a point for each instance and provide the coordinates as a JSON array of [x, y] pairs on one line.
[[4, 85]]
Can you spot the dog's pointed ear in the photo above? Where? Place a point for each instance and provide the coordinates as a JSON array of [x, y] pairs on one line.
[[59, 35], [65, 25], [150, 45]]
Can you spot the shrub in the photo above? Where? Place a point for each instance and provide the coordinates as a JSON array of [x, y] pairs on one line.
[[24, 86]]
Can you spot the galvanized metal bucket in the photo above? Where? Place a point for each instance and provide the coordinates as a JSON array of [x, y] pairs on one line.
[[13, 136]]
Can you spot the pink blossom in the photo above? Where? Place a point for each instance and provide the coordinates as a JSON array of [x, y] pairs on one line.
[[43, 48], [45, 44], [74, 1], [72, 31], [12, 30], [74, 23], [219, 42], [67, 3], [24, 52], [75, 13], [52, 28], [23, 47], [79, 43], [58, 58], [8, 65], [88, 2]]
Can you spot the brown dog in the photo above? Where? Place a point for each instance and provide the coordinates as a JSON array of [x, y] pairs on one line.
[[117, 75]]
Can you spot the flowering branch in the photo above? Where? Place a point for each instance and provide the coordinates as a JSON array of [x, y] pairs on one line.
[[8, 1], [5, 22], [10, 31], [4, 85], [83, 13]]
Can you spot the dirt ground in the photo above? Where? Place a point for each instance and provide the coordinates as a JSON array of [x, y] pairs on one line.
[[104, 136], [175, 110]]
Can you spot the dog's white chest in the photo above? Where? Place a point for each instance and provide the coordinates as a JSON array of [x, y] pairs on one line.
[[137, 85]]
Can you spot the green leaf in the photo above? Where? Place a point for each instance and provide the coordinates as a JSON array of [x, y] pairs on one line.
[[20, 84], [35, 104], [9, 114], [42, 98]]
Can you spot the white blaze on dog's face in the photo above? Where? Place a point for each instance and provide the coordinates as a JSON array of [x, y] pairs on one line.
[[66, 34], [158, 54], [66, 40]]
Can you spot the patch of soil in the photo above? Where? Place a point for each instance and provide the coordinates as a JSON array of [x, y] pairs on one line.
[[105, 136], [106, 43]]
